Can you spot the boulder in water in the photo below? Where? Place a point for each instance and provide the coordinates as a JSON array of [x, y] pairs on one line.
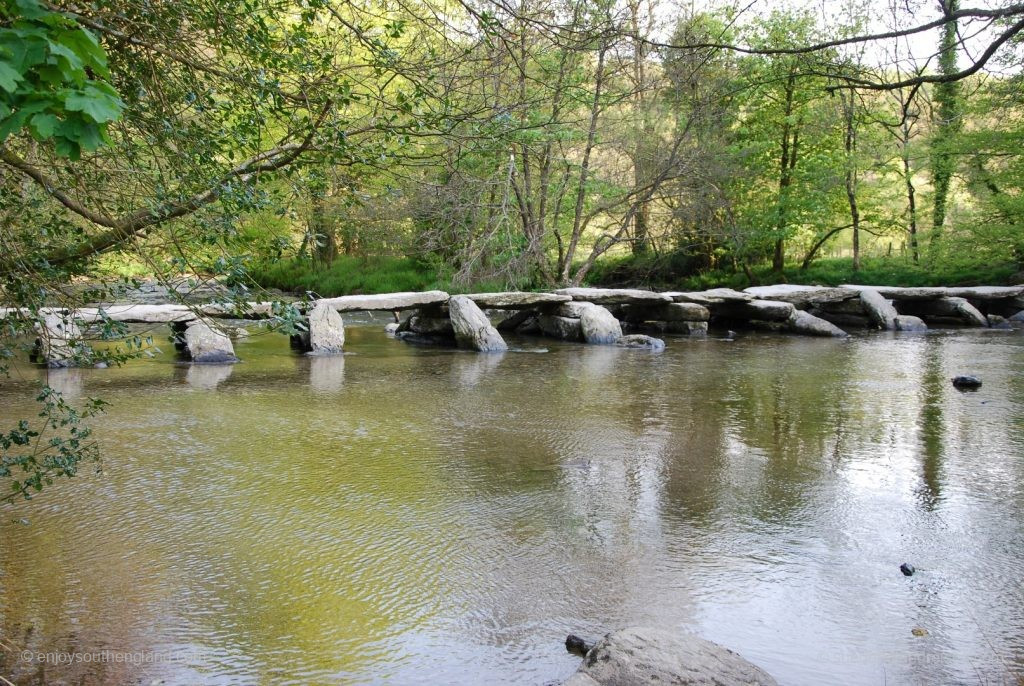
[[641, 656], [472, 328]]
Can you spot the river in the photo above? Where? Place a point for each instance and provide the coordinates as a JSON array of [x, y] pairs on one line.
[[404, 515]]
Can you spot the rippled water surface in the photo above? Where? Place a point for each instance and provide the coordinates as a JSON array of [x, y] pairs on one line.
[[404, 515]]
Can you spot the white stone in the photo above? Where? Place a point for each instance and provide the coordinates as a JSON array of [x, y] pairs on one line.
[[59, 340], [144, 314], [206, 346], [613, 296], [388, 302], [599, 326], [516, 300], [802, 296], [472, 328], [326, 330]]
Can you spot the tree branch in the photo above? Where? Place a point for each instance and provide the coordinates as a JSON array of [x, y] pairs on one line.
[[132, 225]]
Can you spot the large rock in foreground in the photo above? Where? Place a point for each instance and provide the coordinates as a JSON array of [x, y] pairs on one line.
[[206, 346], [880, 311], [641, 656], [59, 342], [472, 328], [326, 331], [599, 326]]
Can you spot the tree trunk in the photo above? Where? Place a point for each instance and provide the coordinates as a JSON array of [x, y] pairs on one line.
[[947, 96], [581, 190], [787, 161], [850, 144], [908, 177]]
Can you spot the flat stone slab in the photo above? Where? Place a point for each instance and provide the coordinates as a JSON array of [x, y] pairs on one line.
[[931, 293], [613, 296], [516, 300], [713, 296], [640, 656], [802, 296], [249, 310], [696, 297], [140, 314], [764, 310], [387, 302]]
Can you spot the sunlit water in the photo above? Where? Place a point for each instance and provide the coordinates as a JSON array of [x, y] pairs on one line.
[[404, 515]]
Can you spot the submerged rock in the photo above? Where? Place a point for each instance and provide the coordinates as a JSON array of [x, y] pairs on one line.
[[906, 322], [576, 645], [997, 322], [641, 656], [966, 382], [641, 341]]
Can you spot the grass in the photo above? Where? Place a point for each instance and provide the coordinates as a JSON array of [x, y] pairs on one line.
[[881, 271], [346, 275]]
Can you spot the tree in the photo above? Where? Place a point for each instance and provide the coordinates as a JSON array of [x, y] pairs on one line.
[[947, 119]]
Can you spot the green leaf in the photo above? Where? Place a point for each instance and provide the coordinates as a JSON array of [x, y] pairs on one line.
[[9, 77], [68, 148], [12, 124], [90, 137], [43, 126], [96, 103], [30, 9], [75, 64]]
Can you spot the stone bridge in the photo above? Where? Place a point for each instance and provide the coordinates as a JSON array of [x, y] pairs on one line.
[[590, 315]]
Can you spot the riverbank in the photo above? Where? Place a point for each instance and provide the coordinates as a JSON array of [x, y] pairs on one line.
[[664, 272], [371, 275]]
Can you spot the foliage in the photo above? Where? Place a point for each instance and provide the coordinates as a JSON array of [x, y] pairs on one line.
[[33, 454], [53, 80], [346, 275]]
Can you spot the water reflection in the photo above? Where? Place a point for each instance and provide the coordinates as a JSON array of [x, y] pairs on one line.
[[445, 517], [932, 431], [206, 377], [68, 382], [326, 373]]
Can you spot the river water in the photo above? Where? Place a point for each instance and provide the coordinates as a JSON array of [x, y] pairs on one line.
[[404, 515]]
